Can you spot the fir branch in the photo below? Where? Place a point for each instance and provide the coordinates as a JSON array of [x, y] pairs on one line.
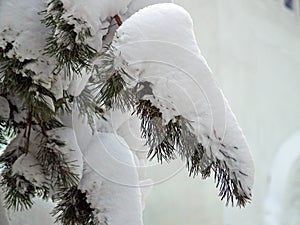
[[73, 209], [66, 43]]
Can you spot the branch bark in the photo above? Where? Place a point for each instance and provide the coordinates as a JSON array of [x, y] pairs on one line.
[[118, 19], [28, 129]]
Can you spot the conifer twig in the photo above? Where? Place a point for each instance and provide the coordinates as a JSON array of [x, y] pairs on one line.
[[28, 129], [42, 126]]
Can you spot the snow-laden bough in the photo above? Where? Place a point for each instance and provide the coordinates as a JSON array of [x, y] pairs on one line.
[[161, 62]]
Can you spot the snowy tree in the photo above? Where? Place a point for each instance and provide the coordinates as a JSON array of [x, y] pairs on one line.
[[74, 74]]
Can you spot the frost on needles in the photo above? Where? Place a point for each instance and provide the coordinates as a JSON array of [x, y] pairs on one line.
[[69, 71]]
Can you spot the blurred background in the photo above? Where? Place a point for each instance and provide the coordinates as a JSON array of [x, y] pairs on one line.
[[253, 48]]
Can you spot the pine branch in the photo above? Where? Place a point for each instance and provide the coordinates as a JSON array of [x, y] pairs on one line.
[[109, 86], [167, 140], [42, 126], [32, 95], [73, 209], [64, 104], [8, 130], [28, 132], [18, 191], [87, 105], [154, 132], [55, 164], [66, 43], [17, 83]]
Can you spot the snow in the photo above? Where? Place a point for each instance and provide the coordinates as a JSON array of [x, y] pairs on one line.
[[40, 213], [15, 143], [158, 43], [128, 127], [96, 14], [77, 84], [111, 181], [27, 45], [136, 5], [71, 149], [92, 11], [111, 175], [42, 70], [57, 87], [28, 166], [3, 213], [82, 130]]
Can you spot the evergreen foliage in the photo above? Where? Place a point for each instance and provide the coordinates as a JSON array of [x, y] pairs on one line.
[[35, 111]]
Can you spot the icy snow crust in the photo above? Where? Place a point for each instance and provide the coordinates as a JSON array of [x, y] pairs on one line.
[[158, 43]]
